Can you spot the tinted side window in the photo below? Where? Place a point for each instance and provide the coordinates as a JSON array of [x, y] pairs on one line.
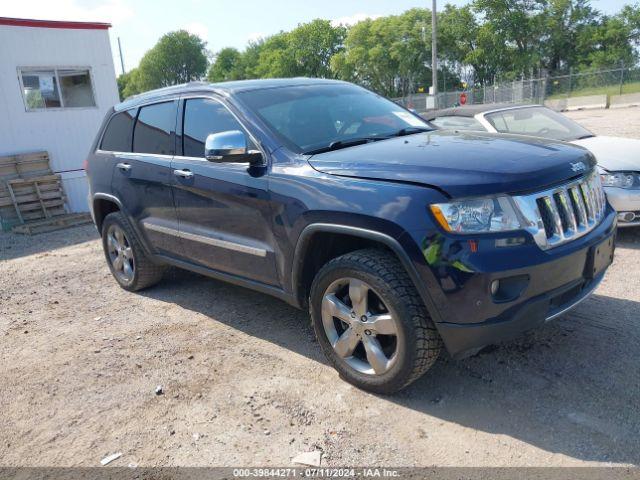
[[153, 129], [117, 136], [203, 116]]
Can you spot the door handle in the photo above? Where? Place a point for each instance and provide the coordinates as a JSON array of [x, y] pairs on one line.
[[125, 167], [183, 173]]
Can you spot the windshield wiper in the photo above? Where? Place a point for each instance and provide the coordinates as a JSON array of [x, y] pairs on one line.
[[338, 144], [410, 131], [352, 142], [585, 136]]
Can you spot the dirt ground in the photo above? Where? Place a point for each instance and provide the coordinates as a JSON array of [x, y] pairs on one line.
[[245, 383]]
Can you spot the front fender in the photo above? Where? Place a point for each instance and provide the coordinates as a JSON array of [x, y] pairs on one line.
[[403, 247]]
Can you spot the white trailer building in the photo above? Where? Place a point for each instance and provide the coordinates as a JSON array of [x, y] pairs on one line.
[[57, 81]]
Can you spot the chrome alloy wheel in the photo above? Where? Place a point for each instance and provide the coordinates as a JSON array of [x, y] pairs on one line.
[[120, 253], [361, 329]]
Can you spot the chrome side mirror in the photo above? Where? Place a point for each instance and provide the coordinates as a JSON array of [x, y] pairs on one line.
[[230, 146]]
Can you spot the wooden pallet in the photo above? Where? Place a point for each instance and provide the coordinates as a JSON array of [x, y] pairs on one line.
[[26, 166], [59, 222], [37, 197]]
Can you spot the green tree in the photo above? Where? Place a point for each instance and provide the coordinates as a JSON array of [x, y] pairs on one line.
[[129, 83], [226, 66], [178, 57], [390, 55], [615, 41], [306, 51], [464, 41], [484, 41], [310, 47], [251, 58], [518, 23], [272, 58], [363, 60], [566, 33]]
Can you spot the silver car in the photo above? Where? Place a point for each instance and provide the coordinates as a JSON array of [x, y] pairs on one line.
[[618, 158]]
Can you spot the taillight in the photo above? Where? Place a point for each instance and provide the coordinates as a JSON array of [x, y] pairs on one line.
[[85, 165]]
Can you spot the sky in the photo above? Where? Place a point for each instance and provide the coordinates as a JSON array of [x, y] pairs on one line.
[[221, 23]]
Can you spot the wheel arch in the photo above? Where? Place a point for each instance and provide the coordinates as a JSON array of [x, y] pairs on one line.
[[102, 205], [303, 272]]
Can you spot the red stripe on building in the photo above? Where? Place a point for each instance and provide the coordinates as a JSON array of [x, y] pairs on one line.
[[26, 22]]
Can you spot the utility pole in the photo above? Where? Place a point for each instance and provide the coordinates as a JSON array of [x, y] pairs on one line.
[[434, 52], [122, 59]]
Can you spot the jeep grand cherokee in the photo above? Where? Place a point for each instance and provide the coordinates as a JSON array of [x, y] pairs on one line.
[[398, 238]]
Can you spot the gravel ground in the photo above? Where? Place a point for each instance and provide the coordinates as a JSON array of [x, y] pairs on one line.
[[616, 122], [244, 382]]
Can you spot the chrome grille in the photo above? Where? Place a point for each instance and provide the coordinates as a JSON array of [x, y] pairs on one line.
[[564, 213]]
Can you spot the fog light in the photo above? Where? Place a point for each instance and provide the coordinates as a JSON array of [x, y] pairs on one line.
[[495, 285], [626, 216]]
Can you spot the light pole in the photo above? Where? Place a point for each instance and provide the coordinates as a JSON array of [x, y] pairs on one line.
[[121, 57], [434, 51]]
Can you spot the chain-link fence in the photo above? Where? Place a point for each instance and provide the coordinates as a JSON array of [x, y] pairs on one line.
[[610, 82]]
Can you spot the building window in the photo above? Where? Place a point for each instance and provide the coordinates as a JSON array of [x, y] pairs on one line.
[[76, 88], [40, 90], [57, 88]]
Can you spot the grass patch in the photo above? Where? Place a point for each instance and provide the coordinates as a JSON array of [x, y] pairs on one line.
[[633, 87]]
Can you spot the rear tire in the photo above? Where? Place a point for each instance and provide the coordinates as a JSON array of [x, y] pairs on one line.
[[383, 344], [127, 260]]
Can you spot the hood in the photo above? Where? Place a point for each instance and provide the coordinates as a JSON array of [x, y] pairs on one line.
[[461, 164], [613, 153]]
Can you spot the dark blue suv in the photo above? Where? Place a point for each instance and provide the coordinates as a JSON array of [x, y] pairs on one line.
[[398, 238]]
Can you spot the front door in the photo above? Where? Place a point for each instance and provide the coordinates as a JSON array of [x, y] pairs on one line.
[[143, 178], [223, 208]]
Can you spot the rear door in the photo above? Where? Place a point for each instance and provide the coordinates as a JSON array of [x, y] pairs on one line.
[[142, 177], [223, 208], [115, 141]]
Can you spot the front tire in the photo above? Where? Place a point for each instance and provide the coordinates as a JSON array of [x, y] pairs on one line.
[[371, 323], [127, 260]]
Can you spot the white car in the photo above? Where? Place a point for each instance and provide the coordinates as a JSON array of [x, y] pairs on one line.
[[618, 158]]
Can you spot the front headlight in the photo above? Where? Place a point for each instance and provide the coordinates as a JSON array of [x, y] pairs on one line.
[[477, 215], [617, 179]]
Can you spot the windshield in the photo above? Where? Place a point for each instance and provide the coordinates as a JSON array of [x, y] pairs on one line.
[[537, 121], [314, 117], [458, 123]]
